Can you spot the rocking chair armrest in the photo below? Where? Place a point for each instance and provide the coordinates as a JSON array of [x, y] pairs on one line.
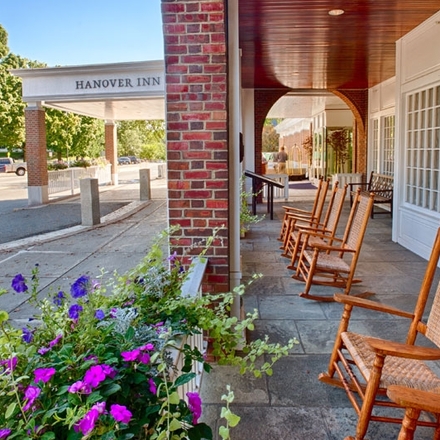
[[319, 233], [330, 248], [371, 305], [316, 228], [413, 398], [291, 209], [397, 349]]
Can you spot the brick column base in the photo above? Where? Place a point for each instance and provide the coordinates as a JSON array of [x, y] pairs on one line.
[[111, 149]]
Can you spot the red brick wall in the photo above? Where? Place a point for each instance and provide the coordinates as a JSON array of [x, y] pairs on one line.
[[357, 101], [111, 150], [35, 126], [197, 130]]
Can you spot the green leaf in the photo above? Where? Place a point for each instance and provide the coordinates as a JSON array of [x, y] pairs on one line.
[[174, 398], [4, 316], [111, 389], [129, 334], [48, 436], [10, 410], [175, 425], [224, 432], [185, 378], [233, 419]]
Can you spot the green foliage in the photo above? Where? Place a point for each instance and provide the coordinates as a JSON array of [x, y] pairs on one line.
[[99, 365], [339, 141], [3, 42], [145, 139], [246, 216], [270, 138]]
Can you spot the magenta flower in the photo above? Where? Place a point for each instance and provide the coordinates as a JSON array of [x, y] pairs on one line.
[[131, 356], [94, 376], [144, 358], [44, 374], [9, 364], [100, 407], [30, 395], [120, 413], [108, 371], [43, 350], [147, 347], [5, 432], [195, 406], [79, 387], [19, 283], [88, 422], [153, 387]]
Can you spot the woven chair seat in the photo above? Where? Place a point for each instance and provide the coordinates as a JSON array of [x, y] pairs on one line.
[[327, 262], [396, 371]]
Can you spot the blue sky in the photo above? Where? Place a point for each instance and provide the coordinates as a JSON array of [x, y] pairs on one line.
[[75, 32]]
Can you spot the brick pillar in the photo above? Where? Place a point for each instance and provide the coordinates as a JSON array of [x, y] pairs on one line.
[[197, 132], [357, 101], [111, 149], [35, 126]]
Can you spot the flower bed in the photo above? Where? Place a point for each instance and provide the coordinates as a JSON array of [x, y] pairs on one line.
[[116, 360]]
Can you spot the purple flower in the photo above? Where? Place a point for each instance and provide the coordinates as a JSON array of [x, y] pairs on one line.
[[43, 350], [80, 287], [19, 283], [195, 406], [55, 341], [5, 432], [147, 347], [131, 356], [44, 374], [79, 387], [27, 335], [74, 311], [88, 422], [153, 387], [58, 299], [30, 395], [120, 413], [99, 314], [94, 376], [9, 364]]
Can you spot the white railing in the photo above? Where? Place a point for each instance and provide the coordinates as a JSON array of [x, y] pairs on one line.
[[68, 180], [192, 287]]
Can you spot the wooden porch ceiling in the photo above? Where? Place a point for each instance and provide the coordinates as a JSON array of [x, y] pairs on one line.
[[298, 45]]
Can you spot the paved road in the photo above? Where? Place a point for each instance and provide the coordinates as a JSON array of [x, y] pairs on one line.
[[18, 221]]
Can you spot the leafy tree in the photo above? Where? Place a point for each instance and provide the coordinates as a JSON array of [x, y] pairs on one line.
[[3, 42], [88, 140], [270, 138], [145, 139], [339, 141]]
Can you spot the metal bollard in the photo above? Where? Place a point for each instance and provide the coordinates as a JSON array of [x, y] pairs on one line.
[[144, 184], [90, 211]]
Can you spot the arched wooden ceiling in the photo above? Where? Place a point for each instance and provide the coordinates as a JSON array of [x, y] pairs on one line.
[[297, 44]]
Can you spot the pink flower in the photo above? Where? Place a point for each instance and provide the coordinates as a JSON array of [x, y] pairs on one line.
[[108, 371], [44, 374], [147, 347], [9, 364], [88, 422], [120, 413], [94, 376], [79, 387], [195, 406], [153, 387], [5, 433], [100, 407], [30, 395], [130, 355]]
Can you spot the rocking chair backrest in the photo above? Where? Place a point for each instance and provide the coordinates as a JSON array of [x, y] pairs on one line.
[[432, 328], [334, 211], [320, 200], [357, 221]]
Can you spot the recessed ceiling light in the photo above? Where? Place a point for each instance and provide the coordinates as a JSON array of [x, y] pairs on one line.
[[336, 12]]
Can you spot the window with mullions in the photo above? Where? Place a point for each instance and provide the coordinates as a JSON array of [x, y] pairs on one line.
[[387, 166], [423, 149]]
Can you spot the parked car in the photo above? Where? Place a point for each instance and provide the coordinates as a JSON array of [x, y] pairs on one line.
[[124, 160], [8, 165], [134, 159]]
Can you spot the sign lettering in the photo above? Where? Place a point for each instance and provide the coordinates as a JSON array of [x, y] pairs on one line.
[[117, 82]]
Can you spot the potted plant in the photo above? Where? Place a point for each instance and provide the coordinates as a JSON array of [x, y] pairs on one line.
[[98, 361], [247, 218]]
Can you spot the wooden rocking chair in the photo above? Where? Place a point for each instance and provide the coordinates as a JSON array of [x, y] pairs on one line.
[[327, 227], [334, 264], [293, 215], [366, 367], [316, 211]]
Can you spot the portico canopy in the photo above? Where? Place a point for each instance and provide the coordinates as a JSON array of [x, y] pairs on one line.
[[112, 92]]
